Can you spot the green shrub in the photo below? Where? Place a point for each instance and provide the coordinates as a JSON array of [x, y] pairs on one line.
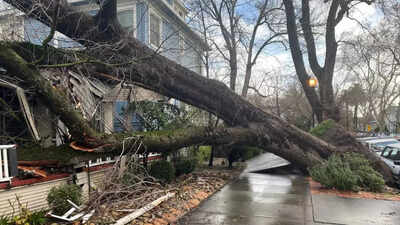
[[368, 178], [26, 217], [335, 174], [203, 154], [4, 220], [349, 172], [37, 218], [162, 170], [320, 130], [58, 196], [185, 166]]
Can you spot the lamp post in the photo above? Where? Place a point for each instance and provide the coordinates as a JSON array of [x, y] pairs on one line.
[[312, 82]]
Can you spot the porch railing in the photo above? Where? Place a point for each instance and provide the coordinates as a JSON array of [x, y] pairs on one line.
[[6, 161]]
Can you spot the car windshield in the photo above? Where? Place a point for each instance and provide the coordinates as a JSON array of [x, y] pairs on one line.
[[382, 144]]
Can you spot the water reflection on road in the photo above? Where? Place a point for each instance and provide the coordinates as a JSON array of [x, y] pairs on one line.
[[256, 198]]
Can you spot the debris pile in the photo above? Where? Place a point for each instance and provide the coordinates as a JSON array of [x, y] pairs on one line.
[[186, 193]]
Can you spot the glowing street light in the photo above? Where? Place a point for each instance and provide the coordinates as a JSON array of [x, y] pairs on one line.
[[312, 82]]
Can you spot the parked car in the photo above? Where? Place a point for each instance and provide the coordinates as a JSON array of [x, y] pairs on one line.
[[377, 144], [391, 156]]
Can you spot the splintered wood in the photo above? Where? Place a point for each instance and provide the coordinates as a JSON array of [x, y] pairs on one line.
[[141, 211]]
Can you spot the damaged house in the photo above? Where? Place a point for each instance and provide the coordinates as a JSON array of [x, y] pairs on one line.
[[102, 101]]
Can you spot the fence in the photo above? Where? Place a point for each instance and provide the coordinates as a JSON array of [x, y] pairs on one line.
[[8, 162]]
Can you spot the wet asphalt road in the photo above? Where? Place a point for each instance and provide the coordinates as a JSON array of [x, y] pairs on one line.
[[257, 199], [276, 198]]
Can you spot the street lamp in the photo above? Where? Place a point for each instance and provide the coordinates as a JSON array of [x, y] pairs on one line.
[[312, 83]]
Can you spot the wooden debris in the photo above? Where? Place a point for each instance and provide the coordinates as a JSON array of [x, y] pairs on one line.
[[87, 217], [39, 163], [141, 211], [66, 215], [34, 170], [74, 146]]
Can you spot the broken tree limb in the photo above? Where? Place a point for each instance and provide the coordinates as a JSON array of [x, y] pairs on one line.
[[141, 211]]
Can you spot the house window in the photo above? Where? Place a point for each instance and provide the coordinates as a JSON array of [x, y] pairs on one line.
[[171, 2], [142, 22], [125, 18], [155, 30], [125, 119]]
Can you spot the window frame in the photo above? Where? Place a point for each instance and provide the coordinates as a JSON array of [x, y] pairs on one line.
[[133, 10], [159, 18]]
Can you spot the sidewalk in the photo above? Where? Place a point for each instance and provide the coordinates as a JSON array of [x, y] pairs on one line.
[[354, 211], [286, 199]]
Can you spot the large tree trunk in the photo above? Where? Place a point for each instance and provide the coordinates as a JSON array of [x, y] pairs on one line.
[[157, 73]]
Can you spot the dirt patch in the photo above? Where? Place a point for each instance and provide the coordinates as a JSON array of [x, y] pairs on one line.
[[389, 193]]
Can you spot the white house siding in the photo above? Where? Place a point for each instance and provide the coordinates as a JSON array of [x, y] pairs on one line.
[[33, 196], [96, 181]]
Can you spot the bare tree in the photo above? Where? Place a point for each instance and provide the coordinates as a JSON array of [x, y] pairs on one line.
[[377, 71], [241, 33], [355, 97], [323, 104]]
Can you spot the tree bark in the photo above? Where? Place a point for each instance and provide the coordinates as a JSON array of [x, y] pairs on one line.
[[164, 76]]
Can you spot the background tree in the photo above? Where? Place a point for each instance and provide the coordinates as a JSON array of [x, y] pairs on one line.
[[354, 97], [244, 35], [377, 72], [323, 104]]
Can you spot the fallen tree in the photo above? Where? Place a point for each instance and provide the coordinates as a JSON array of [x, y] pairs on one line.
[[144, 67]]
